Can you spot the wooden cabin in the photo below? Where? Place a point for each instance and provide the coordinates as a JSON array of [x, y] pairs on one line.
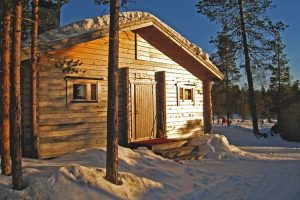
[[164, 81], [288, 114]]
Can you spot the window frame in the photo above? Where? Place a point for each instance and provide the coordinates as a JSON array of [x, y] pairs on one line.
[[181, 94], [85, 95], [88, 87], [88, 82]]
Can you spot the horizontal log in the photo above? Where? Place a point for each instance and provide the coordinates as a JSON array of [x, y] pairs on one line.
[[50, 152], [71, 115], [70, 120], [72, 138], [71, 126], [85, 143]]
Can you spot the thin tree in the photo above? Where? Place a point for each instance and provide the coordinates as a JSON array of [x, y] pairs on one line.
[[112, 106], [112, 162], [218, 103], [16, 153], [34, 68], [249, 27], [225, 60], [243, 106], [280, 79], [5, 84]]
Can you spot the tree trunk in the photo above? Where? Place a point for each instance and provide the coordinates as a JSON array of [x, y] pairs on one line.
[[227, 96], [112, 107], [5, 101], [16, 152], [34, 67], [251, 96], [279, 78]]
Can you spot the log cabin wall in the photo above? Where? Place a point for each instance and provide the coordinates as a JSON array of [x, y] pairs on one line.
[[65, 126], [288, 121], [182, 116], [27, 137]]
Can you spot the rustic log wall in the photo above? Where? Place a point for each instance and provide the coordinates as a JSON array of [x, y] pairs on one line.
[[289, 121], [181, 117], [27, 137], [65, 126]]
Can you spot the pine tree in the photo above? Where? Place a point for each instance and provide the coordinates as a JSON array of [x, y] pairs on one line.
[[49, 14], [16, 153], [112, 161], [280, 79], [34, 69], [218, 100], [5, 90], [249, 27], [264, 104], [225, 58], [243, 106]]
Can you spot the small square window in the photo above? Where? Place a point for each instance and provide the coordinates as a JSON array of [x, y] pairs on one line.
[[185, 94], [84, 92], [79, 91]]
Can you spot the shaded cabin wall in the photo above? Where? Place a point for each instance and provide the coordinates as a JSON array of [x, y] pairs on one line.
[[27, 137], [289, 121], [65, 127]]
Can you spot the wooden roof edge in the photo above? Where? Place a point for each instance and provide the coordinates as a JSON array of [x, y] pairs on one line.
[[195, 51], [95, 28]]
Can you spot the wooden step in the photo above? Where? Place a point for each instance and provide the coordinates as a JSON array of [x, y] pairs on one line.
[[175, 152], [168, 145]]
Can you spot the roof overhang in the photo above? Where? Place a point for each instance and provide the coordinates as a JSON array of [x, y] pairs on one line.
[[158, 34]]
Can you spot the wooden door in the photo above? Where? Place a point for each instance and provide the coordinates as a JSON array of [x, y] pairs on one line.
[[144, 111]]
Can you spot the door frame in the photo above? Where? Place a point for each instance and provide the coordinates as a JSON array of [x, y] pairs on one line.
[[133, 83]]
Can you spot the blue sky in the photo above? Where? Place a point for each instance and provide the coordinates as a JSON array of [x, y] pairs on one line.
[[182, 16]]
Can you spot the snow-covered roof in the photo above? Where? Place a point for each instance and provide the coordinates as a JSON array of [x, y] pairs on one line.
[[99, 26]]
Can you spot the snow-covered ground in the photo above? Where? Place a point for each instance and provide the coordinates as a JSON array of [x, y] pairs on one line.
[[265, 168], [272, 146]]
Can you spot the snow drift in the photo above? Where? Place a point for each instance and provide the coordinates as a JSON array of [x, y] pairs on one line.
[[226, 172]]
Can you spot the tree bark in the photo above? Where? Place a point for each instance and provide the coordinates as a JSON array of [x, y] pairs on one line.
[[16, 148], [112, 107], [5, 101], [251, 97], [207, 111], [227, 95], [34, 67]]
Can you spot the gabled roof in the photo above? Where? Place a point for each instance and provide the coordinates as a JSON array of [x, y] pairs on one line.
[[140, 22]]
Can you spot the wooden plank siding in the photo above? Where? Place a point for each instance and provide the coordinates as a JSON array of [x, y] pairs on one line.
[[26, 120], [289, 121], [66, 128]]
